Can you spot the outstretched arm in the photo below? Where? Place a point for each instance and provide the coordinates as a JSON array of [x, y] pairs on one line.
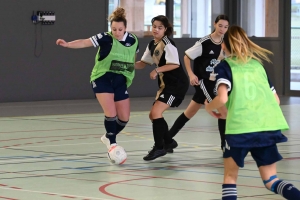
[[139, 65], [76, 44]]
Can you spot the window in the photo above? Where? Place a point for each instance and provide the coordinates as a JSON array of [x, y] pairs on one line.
[[259, 18], [192, 18], [295, 43], [139, 14]]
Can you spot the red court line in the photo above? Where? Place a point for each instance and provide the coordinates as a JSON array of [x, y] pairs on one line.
[[45, 193], [120, 182], [102, 189], [7, 198], [180, 179]]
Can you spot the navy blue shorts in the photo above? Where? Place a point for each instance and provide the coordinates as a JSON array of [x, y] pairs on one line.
[[262, 155], [111, 83], [205, 90]]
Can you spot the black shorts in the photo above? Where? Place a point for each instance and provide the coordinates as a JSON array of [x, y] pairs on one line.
[[262, 155], [169, 99], [111, 83], [205, 90]]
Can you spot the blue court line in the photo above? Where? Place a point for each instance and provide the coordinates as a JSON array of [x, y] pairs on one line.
[[158, 168], [78, 168], [199, 172]]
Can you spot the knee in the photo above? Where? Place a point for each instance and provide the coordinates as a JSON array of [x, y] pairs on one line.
[[230, 178], [271, 183], [190, 113]]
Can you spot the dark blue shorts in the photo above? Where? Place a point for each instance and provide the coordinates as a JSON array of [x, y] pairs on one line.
[[111, 83], [262, 155]]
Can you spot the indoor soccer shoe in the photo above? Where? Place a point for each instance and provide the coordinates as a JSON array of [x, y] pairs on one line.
[[155, 153], [105, 141], [169, 147]]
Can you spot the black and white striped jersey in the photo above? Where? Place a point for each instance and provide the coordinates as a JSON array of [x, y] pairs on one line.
[[205, 54], [164, 52]]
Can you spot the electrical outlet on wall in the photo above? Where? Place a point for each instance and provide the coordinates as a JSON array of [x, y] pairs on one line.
[[46, 17]]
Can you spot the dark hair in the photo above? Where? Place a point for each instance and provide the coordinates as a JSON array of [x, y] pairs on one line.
[[221, 17], [118, 16], [165, 21]]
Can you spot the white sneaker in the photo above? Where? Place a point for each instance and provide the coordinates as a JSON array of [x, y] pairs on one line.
[[105, 141]]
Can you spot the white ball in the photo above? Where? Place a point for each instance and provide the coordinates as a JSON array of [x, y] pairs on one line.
[[117, 155]]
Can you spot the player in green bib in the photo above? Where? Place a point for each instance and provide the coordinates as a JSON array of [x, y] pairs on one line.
[[113, 72], [254, 119]]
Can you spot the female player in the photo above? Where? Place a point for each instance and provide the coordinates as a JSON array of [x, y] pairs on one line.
[[172, 81], [206, 53], [113, 72], [254, 119]]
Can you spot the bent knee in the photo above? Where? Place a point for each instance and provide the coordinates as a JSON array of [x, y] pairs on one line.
[[271, 182]]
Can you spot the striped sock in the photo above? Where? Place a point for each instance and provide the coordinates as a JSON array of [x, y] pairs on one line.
[[286, 190], [110, 126], [229, 192], [120, 125]]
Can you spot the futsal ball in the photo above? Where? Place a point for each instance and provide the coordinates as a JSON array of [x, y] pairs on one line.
[[117, 155]]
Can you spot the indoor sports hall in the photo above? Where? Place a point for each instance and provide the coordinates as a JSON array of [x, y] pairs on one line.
[[51, 124], [52, 150]]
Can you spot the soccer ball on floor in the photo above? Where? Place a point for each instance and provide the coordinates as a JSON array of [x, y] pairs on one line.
[[117, 155]]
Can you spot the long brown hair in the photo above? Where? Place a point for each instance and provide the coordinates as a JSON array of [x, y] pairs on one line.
[[239, 45], [118, 16]]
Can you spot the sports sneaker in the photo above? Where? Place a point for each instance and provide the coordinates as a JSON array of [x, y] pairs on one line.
[[169, 147], [105, 141], [155, 153]]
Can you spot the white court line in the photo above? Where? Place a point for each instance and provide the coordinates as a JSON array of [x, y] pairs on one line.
[[60, 145], [65, 158], [200, 144], [56, 158], [58, 194]]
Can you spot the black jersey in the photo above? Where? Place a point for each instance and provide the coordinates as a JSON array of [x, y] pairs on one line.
[[174, 82], [205, 54], [104, 41]]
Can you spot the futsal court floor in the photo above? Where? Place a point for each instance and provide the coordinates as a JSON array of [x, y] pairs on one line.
[[52, 151]]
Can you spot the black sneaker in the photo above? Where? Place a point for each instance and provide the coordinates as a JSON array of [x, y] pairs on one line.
[[169, 147], [155, 153]]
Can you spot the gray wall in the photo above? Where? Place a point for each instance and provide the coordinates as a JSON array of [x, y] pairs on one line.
[[60, 73]]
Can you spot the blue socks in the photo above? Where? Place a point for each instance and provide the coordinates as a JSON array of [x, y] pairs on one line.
[[229, 192], [120, 125], [111, 128], [287, 190]]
